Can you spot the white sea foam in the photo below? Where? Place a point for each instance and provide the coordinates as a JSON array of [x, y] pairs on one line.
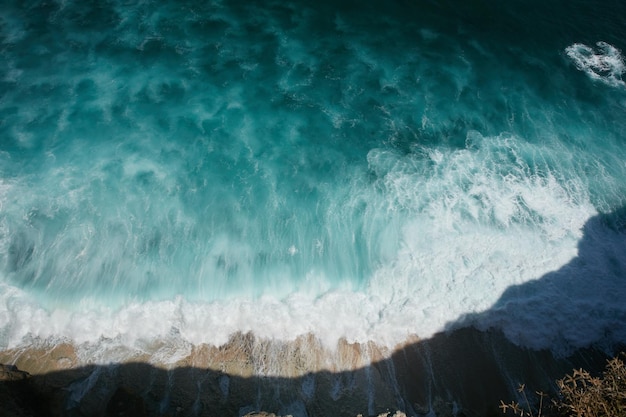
[[203, 181], [455, 240], [604, 63]]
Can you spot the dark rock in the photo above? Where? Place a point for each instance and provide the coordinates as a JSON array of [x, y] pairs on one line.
[[17, 399], [125, 403], [11, 373]]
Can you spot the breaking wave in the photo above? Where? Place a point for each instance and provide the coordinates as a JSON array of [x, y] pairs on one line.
[[604, 63]]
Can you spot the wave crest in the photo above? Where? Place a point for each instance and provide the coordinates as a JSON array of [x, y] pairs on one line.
[[604, 63]]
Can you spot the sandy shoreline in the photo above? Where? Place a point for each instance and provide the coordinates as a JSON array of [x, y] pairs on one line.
[[465, 372]]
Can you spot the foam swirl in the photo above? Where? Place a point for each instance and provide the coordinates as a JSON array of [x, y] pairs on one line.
[[604, 63]]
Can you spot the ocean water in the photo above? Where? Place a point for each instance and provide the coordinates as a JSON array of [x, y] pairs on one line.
[[192, 169]]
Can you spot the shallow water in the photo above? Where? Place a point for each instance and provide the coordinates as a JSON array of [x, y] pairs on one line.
[[193, 169]]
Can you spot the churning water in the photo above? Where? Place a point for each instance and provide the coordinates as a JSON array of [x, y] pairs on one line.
[[367, 171]]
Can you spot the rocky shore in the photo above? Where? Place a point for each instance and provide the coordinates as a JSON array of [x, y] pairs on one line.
[[461, 373]]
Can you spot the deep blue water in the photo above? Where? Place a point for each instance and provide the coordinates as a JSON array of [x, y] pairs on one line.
[[418, 157]]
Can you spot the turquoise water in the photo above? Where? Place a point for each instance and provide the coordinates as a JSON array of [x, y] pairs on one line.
[[412, 158]]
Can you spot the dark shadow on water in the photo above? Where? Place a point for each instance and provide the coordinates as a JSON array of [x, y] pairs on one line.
[[580, 304], [463, 371]]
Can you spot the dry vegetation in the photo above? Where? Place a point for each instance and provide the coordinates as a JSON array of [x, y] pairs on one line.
[[579, 395]]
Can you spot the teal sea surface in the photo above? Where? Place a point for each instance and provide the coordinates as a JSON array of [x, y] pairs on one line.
[[367, 170]]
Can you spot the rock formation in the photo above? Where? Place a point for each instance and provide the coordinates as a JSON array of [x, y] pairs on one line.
[[464, 372]]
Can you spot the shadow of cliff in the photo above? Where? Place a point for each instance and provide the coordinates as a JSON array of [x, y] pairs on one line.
[[465, 370], [462, 371], [580, 304]]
